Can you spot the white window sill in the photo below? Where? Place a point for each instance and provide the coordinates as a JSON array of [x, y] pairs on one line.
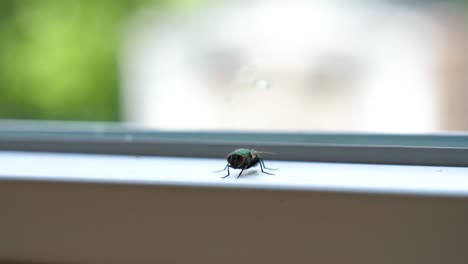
[[306, 176], [62, 208]]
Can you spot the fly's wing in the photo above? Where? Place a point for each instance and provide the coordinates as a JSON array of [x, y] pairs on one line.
[[263, 152]]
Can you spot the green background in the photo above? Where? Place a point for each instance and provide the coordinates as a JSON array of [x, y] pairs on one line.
[[58, 58]]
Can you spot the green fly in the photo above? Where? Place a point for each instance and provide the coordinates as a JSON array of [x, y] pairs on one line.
[[243, 159]]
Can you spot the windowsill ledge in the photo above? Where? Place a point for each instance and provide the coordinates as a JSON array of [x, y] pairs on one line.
[[196, 172], [82, 208]]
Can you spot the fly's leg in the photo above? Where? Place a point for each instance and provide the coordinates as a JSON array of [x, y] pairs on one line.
[[240, 173], [222, 169], [265, 171], [263, 163], [261, 168], [225, 168]]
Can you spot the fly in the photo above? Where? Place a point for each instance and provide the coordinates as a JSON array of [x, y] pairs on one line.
[[243, 159]]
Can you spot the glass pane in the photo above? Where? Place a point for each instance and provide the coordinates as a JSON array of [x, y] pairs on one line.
[[288, 66]]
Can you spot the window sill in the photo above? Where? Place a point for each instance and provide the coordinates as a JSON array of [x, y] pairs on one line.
[[83, 208], [197, 172]]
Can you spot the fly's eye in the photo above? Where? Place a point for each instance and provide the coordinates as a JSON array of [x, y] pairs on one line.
[[235, 159], [240, 158]]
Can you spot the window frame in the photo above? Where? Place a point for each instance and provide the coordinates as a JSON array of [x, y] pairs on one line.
[[444, 149]]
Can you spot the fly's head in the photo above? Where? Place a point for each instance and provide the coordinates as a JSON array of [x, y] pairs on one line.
[[236, 160]]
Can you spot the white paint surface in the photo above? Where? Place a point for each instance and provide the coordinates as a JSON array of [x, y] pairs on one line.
[[451, 181]]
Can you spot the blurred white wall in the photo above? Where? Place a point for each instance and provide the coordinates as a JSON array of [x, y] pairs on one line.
[[283, 65]]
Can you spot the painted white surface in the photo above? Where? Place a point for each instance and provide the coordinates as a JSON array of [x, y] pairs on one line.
[[451, 181]]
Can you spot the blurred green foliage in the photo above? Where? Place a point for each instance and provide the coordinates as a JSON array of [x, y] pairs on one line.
[[58, 58]]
